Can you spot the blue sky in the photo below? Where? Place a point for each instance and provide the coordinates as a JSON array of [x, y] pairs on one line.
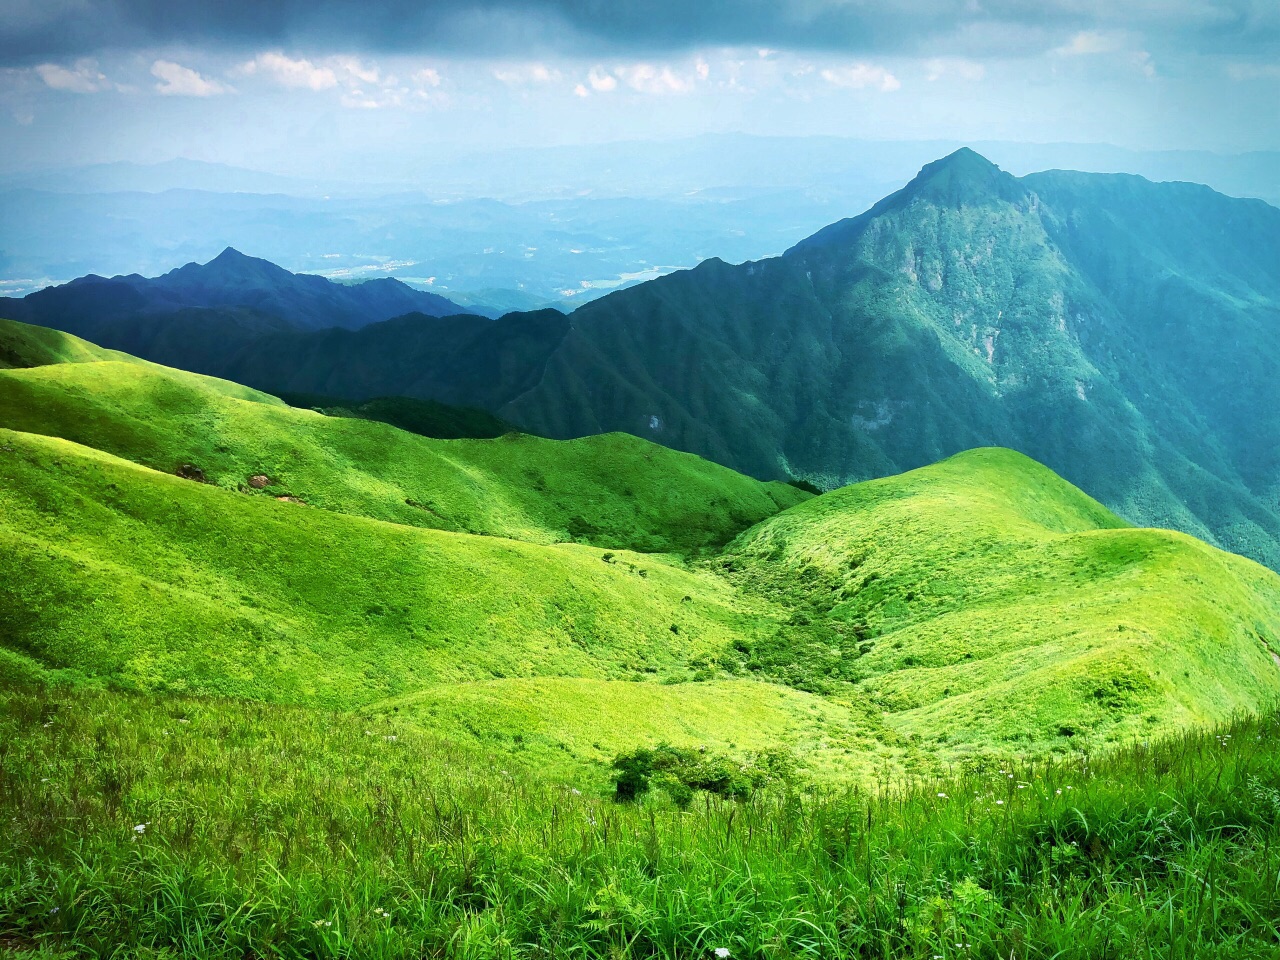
[[339, 87]]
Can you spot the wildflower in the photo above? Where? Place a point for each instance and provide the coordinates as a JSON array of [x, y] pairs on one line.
[[141, 828], [1059, 792], [1000, 803], [722, 952], [942, 795], [575, 791], [390, 738], [53, 911]]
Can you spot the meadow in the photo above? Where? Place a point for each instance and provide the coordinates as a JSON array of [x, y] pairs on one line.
[[281, 684], [147, 827]]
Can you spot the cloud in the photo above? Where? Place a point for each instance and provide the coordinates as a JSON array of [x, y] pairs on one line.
[[601, 80], [860, 76], [176, 80], [426, 77], [648, 78], [290, 73], [82, 77], [526, 74], [49, 30]]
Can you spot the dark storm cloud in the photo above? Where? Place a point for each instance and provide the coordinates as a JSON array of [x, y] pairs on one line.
[[31, 30]]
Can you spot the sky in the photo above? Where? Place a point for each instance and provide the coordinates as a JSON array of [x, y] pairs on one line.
[[356, 87]]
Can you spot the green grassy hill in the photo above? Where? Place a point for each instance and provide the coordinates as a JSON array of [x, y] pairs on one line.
[[613, 491], [978, 606], [988, 603]]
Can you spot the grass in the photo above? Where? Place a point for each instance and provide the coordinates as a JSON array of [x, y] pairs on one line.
[[284, 832], [610, 491], [985, 603], [346, 735]]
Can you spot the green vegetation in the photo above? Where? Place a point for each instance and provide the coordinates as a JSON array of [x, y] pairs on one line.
[[611, 491], [309, 717], [984, 601], [424, 417], [136, 826]]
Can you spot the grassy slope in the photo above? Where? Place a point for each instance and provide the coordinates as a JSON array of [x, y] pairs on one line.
[[613, 491], [282, 832], [997, 606], [979, 605], [566, 726], [164, 583]]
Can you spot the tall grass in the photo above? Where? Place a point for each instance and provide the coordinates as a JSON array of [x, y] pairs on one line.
[[142, 827]]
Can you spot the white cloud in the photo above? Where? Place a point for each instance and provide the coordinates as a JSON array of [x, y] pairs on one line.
[[581, 91], [601, 80], [291, 73], [357, 70], [176, 80], [647, 78], [1142, 60], [426, 77], [82, 77], [526, 74], [1089, 42], [703, 69], [860, 76]]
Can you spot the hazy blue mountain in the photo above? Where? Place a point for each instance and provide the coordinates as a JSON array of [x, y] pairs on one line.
[[198, 311], [512, 229]]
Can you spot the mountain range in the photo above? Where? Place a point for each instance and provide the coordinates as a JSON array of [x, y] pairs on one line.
[[1115, 329], [201, 310]]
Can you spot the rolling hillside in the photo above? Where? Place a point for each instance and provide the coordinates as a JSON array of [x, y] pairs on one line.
[[978, 606]]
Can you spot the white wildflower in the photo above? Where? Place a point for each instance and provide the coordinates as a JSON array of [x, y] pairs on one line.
[[722, 952]]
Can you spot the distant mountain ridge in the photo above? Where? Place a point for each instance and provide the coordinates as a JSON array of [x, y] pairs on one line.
[[196, 310]]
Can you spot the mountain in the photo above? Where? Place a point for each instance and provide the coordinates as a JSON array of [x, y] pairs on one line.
[[165, 531], [199, 309], [1118, 330], [1115, 329]]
